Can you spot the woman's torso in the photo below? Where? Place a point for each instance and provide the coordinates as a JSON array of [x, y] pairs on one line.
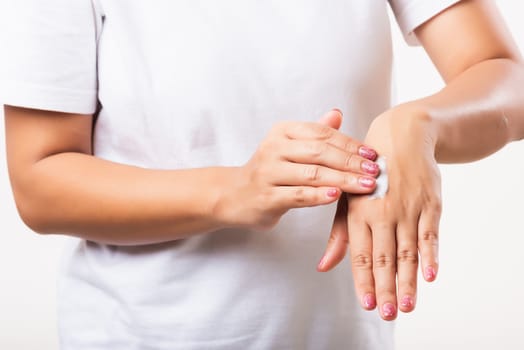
[[187, 84]]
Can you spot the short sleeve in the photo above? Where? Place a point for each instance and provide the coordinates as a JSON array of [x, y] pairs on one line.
[[412, 13], [49, 54]]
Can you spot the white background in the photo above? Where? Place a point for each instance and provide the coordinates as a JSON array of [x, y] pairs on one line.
[[477, 302]]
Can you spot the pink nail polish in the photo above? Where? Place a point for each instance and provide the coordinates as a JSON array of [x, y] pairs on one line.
[[366, 182], [388, 310], [370, 167], [430, 273], [369, 301], [332, 192], [407, 302], [367, 153]]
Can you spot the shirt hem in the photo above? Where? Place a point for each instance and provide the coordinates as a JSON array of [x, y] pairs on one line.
[[48, 98]]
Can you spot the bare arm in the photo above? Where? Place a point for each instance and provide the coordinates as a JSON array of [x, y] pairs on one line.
[[482, 106], [479, 111], [60, 187]]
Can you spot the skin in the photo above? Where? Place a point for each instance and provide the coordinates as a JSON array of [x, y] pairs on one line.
[[299, 164], [60, 187], [479, 111]]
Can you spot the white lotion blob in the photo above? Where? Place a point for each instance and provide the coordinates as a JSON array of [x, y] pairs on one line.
[[382, 179]]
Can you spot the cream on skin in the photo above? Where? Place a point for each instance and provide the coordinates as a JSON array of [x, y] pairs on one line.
[[382, 179]]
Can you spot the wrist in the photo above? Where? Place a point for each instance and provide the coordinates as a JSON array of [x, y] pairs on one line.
[[226, 202], [405, 128]]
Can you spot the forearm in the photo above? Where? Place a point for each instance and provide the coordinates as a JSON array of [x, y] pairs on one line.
[[478, 112], [81, 195], [60, 187]]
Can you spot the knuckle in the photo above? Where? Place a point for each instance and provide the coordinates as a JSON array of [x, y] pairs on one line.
[[271, 145], [362, 261], [436, 205], [266, 148], [299, 195], [383, 260], [324, 132], [317, 149], [304, 196], [338, 238], [349, 146], [296, 129], [349, 161], [348, 179], [429, 237], [385, 225], [408, 256], [312, 173]]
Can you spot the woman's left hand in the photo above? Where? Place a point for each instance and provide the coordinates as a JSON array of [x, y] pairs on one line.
[[387, 234]]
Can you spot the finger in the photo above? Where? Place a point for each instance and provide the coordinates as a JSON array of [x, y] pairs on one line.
[[333, 119], [338, 238], [361, 252], [293, 174], [428, 234], [407, 264], [288, 197], [384, 269], [318, 131], [326, 154]]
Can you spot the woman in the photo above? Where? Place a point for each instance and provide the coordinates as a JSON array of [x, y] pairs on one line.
[[140, 129]]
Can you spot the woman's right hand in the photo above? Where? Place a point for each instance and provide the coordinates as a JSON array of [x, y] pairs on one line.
[[49, 156], [299, 164]]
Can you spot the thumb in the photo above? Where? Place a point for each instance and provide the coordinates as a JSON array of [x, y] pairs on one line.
[[332, 118], [338, 239]]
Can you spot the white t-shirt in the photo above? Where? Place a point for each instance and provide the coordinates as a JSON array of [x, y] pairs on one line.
[[199, 83]]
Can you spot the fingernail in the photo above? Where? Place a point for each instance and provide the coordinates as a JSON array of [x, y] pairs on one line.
[[368, 182], [367, 153], [370, 167], [407, 302], [369, 301], [339, 111], [388, 310], [332, 192], [430, 273], [321, 263]]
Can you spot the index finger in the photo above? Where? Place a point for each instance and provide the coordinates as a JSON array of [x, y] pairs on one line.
[[316, 131]]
